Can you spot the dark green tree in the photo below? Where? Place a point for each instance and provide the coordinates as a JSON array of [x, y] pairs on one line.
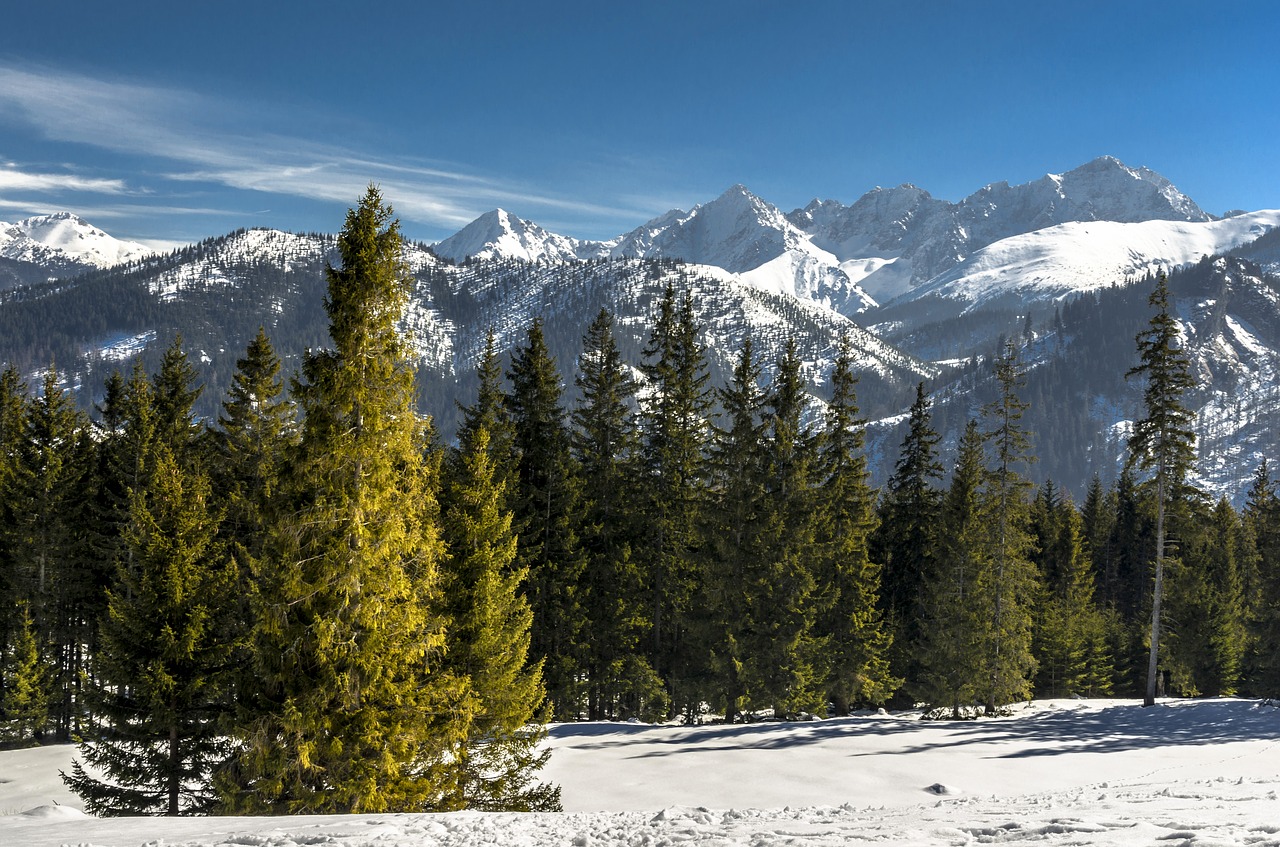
[[52, 561], [1007, 586], [620, 680], [673, 437], [1262, 524], [731, 525], [784, 650], [546, 505], [1206, 599], [1070, 641], [27, 679], [1162, 442], [952, 617], [160, 691], [858, 640], [905, 542], [490, 412]]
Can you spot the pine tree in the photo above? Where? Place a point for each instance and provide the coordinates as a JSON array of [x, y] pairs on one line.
[[489, 635], [27, 680], [257, 426], [1208, 642], [858, 639], [13, 398], [673, 437], [1262, 522], [732, 527], [490, 413], [1070, 640], [1008, 585], [620, 680], [906, 540], [952, 621], [1162, 441], [784, 649], [547, 503], [351, 710], [163, 659]]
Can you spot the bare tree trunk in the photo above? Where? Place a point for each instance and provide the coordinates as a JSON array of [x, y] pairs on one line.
[[1158, 592]]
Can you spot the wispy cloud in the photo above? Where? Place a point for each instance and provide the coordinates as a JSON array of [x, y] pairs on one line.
[[13, 179], [219, 142]]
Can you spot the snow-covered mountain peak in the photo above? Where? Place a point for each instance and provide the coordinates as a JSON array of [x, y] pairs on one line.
[[737, 231], [500, 235], [64, 240]]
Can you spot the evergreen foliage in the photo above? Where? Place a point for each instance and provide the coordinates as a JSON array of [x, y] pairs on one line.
[[783, 650], [489, 634], [620, 681], [24, 699], [547, 510], [1262, 584], [1071, 646], [952, 622], [732, 525], [351, 709], [907, 539], [856, 656], [1006, 586], [1162, 441], [159, 690], [673, 440]]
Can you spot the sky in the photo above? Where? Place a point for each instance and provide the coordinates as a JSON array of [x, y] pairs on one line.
[[168, 123]]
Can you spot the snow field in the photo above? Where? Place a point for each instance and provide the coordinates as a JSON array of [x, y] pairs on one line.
[[1056, 773]]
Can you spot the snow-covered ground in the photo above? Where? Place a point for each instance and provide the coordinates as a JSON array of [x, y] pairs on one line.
[[1061, 772]]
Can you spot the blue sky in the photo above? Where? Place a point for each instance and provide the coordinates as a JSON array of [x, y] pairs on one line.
[[170, 122]]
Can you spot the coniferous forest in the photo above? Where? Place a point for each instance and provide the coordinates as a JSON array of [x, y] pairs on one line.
[[314, 604]]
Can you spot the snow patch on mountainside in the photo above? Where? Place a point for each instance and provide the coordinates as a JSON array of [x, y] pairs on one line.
[[1074, 257]]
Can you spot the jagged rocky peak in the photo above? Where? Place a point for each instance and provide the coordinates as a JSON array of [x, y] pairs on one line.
[[1104, 189], [879, 223], [737, 231], [499, 234]]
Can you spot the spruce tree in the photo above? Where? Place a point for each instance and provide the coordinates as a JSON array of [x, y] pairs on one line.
[[952, 616], [256, 428], [732, 526], [784, 649], [858, 637], [1209, 640], [1162, 441], [26, 679], [1071, 634], [351, 709], [620, 680], [13, 392], [673, 437], [547, 504], [159, 692], [490, 412], [51, 561], [489, 634], [1262, 522], [905, 542], [1007, 586]]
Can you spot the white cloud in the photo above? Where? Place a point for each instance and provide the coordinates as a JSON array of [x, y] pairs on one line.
[[211, 140], [13, 179]]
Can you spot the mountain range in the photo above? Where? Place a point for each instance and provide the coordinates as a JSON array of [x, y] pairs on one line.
[[926, 288]]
